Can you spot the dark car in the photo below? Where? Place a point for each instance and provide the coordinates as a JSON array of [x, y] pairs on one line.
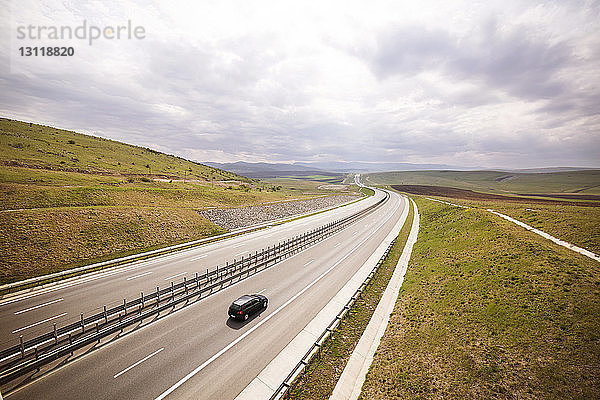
[[246, 305]]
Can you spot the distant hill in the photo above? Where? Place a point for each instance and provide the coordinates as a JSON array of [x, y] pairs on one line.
[[582, 182], [24, 144], [271, 170]]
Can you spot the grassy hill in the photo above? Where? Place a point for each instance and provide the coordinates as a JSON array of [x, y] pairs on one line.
[[68, 199], [576, 182], [37, 146]]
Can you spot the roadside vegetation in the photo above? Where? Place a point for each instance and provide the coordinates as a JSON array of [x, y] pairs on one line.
[[68, 199], [367, 191], [320, 376], [489, 310]]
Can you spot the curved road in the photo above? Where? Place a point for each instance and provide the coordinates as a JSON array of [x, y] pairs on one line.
[[197, 352]]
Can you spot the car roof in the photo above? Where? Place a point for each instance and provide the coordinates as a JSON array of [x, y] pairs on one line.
[[243, 300]]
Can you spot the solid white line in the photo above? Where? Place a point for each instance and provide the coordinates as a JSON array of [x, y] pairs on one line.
[[337, 245], [39, 322], [268, 317], [261, 291], [199, 257], [308, 262], [38, 306], [175, 276], [139, 362], [239, 245], [137, 276]]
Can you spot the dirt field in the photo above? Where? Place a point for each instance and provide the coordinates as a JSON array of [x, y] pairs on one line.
[[455, 193]]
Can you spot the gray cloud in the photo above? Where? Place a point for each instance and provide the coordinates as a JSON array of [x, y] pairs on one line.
[[486, 94]]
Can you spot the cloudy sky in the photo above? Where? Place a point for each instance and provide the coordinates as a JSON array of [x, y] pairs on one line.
[[475, 83]]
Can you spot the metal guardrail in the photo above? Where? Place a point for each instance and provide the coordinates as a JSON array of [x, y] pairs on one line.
[[30, 355], [315, 350]]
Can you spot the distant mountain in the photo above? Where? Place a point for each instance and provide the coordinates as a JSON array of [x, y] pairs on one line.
[[270, 170]]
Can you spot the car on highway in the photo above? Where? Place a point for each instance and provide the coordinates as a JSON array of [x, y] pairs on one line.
[[246, 305]]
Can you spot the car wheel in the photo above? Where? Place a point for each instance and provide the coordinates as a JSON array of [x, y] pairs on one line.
[[245, 317]]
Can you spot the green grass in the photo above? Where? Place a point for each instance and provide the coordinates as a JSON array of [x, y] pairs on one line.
[[367, 191], [584, 182], [489, 310], [38, 146], [322, 373]]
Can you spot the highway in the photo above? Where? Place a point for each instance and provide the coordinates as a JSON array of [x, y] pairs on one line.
[[196, 351]]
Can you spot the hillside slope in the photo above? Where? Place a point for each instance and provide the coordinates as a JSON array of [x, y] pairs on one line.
[[37, 146]]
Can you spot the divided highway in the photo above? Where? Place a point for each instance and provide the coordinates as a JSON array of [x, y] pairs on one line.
[[196, 352]]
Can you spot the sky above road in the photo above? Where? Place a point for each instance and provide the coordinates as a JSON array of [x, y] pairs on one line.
[[513, 84]]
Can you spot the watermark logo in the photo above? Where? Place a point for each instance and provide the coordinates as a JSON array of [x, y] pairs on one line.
[[88, 32]]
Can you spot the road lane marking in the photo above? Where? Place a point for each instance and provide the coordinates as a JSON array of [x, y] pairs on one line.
[[308, 262], [138, 363], [139, 275], [175, 276], [268, 317], [240, 254], [337, 245], [199, 257], [38, 306], [39, 322], [239, 245], [261, 291]]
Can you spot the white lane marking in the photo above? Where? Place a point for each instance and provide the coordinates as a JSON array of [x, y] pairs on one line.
[[261, 291], [175, 276], [308, 262], [39, 322], [238, 245], [199, 257], [139, 362], [139, 275], [240, 254], [337, 245], [268, 317], [38, 306]]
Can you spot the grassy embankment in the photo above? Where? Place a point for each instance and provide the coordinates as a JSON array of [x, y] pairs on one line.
[[489, 310], [68, 199], [321, 375], [367, 191]]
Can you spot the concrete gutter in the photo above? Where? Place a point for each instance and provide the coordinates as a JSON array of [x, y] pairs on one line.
[[269, 379], [350, 383]]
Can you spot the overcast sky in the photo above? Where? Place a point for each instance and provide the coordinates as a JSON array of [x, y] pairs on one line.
[[490, 83]]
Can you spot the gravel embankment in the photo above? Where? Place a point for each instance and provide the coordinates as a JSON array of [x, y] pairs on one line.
[[235, 218]]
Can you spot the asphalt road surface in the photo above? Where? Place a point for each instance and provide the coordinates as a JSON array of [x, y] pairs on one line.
[[196, 351]]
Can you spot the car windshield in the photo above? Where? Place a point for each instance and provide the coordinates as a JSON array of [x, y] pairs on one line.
[[235, 307]]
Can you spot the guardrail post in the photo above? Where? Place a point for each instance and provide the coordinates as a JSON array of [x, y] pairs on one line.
[[172, 291], [197, 281], [206, 274], [185, 285], [125, 306], [21, 345], [82, 324], [157, 296], [70, 342], [120, 320], [55, 335], [97, 329], [36, 353], [105, 315], [142, 296]]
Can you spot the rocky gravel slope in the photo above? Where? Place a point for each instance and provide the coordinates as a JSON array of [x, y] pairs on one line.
[[235, 218]]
